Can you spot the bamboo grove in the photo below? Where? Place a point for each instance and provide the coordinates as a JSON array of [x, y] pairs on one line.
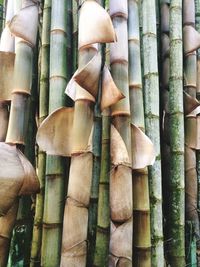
[[99, 133]]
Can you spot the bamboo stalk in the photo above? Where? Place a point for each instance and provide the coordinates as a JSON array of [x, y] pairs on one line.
[[190, 86], [103, 221], [43, 112], [96, 173], [55, 166], [74, 247], [1, 15], [152, 121], [197, 13], [141, 213], [121, 210], [176, 216]]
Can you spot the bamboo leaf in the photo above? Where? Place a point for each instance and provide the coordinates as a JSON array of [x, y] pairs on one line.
[[94, 27], [7, 60], [30, 183], [7, 43], [118, 247], [143, 152], [24, 24], [190, 103], [17, 176], [75, 256], [110, 93], [121, 188], [88, 76], [55, 132], [191, 39], [76, 92], [79, 189], [118, 150]]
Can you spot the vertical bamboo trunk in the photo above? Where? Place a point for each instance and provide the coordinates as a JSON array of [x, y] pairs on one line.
[[74, 244], [1, 16], [121, 176], [152, 121], [103, 221], [190, 87], [6, 222], [43, 112], [141, 209], [176, 200], [197, 13], [93, 206], [55, 183], [164, 92], [75, 33]]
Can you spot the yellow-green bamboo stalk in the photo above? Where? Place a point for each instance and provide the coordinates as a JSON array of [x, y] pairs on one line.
[[55, 181], [152, 121], [121, 185], [142, 238], [176, 200], [43, 112], [103, 221]]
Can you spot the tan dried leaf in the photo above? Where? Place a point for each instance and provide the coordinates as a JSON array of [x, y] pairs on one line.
[[143, 152], [110, 93], [95, 25], [7, 60], [24, 24], [55, 132], [118, 151]]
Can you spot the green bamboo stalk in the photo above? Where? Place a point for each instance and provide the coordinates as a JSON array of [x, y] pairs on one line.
[[152, 121], [121, 215], [43, 112], [164, 92], [55, 166], [176, 216], [92, 215], [1, 15], [75, 34], [103, 221]]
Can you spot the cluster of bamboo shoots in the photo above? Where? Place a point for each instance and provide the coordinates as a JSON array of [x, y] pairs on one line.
[[118, 132]]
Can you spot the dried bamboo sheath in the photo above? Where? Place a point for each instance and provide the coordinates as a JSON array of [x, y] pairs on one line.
[[121, 176], [197, 12], [190, 86]]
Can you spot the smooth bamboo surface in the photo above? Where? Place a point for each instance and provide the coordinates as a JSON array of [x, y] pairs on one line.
[[55, 166], [152, 121], [43, 112]]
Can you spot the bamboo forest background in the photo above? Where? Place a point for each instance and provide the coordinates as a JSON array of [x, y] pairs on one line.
[[99, 133]]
